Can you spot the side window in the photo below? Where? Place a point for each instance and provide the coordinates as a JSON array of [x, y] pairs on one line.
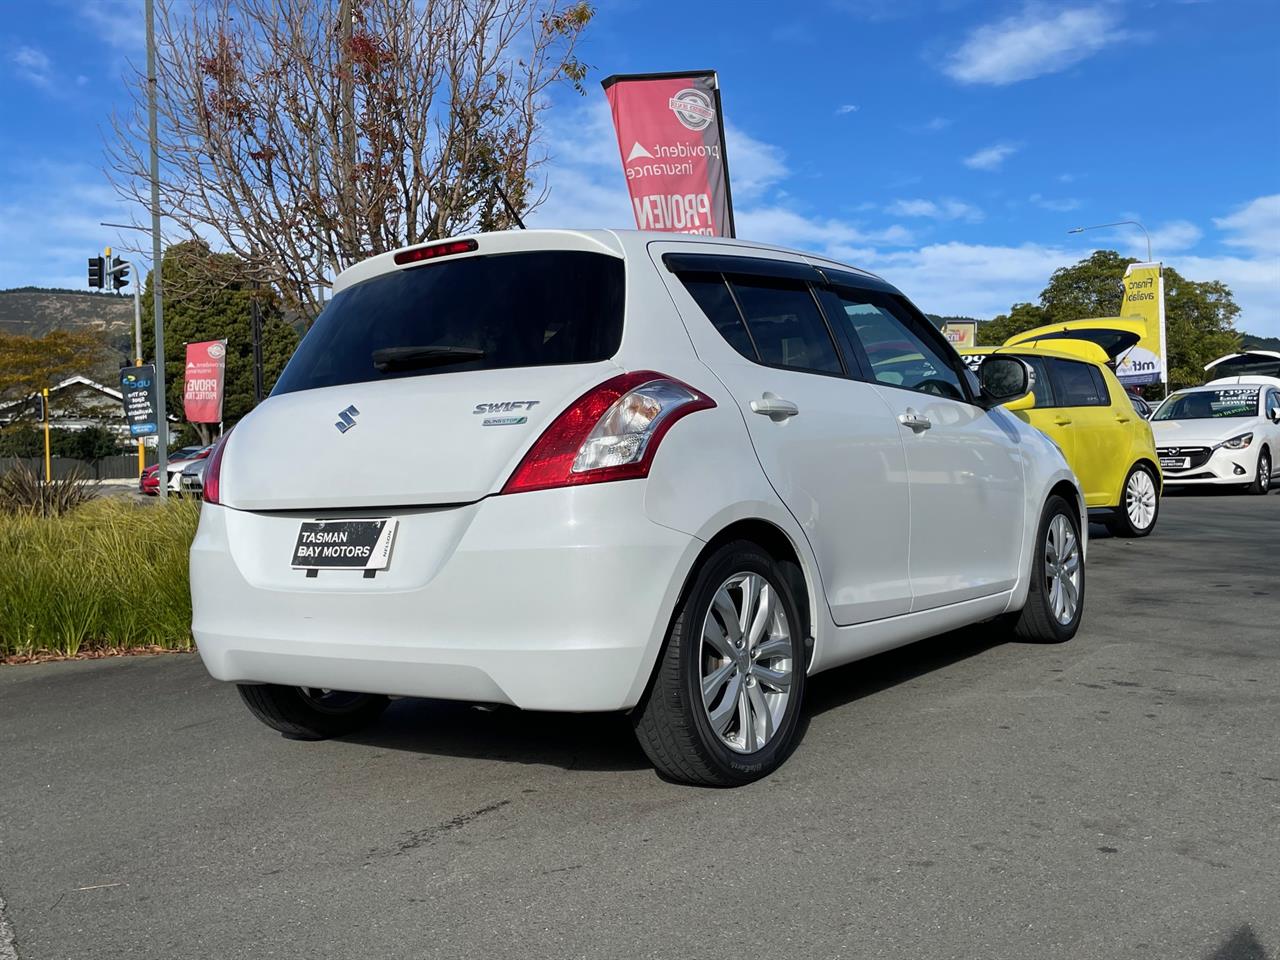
[[1043, 388], [1100, 382], [785, 325], [899, 357], [1075, 385], [712, 295]]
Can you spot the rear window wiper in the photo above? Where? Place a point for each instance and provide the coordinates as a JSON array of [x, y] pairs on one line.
[[406, 358]]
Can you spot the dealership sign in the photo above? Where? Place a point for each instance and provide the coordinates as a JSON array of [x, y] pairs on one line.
[[205, 375], [1147, 362], [671, 138], [961, 334], [138, 392]]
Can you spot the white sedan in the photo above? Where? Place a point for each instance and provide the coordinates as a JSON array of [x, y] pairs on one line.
[[606, 470], [1225, 433]]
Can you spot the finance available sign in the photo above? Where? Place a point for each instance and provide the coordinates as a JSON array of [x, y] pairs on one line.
[[1147, 361], [671, 140], [205, 377]]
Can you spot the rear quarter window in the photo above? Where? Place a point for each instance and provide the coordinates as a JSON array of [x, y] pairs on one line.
[[529, 309]]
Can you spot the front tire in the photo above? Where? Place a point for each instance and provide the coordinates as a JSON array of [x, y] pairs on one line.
[[1055, 598], [1261, 485], [724, 705], [303, 713], [1139, 504]]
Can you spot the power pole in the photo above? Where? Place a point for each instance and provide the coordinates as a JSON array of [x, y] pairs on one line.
[[162, 417]]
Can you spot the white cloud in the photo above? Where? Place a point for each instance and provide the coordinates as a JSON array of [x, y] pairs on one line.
[[845, 108], [1059, 205], [118, 22], [981, 280], [992, 157], [944, 209], [33, 65], [1032, 43], [1255, 284], [59, 207], [1255, 227]]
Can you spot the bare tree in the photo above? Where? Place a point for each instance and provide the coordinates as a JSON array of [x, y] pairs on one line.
[[304, 135]]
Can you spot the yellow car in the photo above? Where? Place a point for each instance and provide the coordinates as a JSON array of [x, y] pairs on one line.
[[1078, 402]]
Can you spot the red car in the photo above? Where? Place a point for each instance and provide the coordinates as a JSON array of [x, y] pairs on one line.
[[149, 483]]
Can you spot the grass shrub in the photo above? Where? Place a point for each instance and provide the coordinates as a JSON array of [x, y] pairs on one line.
[[111, 573]]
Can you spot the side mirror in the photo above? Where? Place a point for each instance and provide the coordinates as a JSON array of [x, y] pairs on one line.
[[1275, 414], [1005, 379]]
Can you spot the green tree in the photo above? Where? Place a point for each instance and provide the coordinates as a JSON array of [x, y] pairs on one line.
[[29, 364], [1022, 316], [207, 296], [1199, 316]]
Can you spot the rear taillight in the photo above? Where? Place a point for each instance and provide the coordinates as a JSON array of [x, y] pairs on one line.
[[435, 250], [213, 472], [611, 432]]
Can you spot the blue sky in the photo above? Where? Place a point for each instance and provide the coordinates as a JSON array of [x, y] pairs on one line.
[[946, 145]]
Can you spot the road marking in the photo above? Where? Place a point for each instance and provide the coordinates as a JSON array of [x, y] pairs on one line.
[[7, 950]]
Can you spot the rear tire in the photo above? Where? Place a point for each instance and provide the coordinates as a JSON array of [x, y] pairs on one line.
[[1059, 554], [1139, 504], [1261, 485], [747, 722], [306, 714]]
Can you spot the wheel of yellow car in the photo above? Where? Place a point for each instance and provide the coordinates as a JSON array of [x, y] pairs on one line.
[[1139, 504]]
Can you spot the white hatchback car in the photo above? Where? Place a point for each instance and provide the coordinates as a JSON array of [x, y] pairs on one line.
[[1225, 433], [598, 470]]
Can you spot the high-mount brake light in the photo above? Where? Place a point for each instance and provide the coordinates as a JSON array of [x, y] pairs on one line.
[[418, 254], [212, 483], [611, 432]]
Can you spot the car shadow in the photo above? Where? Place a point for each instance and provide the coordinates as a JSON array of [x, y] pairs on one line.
[[833, 689], [605, 742]]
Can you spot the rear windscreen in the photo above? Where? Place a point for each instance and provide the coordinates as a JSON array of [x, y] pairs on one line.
[[532, 309]]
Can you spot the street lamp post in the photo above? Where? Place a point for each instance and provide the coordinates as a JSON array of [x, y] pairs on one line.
[[1118, 223]]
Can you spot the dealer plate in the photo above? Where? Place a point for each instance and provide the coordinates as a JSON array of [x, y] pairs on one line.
[[1175, 463], [344, 544]]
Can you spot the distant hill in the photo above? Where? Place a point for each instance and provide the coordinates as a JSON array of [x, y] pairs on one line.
[[34, 311], [1249, 341]]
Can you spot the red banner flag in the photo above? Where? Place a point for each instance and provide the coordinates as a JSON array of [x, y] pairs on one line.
[[202, 390], [671, 137]]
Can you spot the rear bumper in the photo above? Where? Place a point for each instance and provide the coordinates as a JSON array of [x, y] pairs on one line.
[[554, 600]]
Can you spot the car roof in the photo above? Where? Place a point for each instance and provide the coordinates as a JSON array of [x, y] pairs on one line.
[[1227, 384], [1256, 379], [617, 243]]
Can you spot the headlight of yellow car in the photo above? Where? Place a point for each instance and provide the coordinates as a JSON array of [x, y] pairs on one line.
[[1237, 443]]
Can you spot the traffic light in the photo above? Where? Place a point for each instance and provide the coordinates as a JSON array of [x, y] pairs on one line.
[[121, 276], [96, 267]]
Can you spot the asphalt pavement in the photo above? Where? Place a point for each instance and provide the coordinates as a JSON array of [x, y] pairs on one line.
[[1117, 796]]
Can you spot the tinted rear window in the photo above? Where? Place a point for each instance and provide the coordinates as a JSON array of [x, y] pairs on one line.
[[531, 309]]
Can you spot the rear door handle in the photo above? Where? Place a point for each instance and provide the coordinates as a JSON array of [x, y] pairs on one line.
[[916, 421], [1061, 421], [774, 407], [1122, 418]]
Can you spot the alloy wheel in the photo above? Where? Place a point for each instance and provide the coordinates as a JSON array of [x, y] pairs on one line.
[[1140, 499], [1264, 473], [746, 657], [1062, 569]]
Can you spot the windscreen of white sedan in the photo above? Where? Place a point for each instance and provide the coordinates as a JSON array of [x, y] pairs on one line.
[[1210, 405]]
